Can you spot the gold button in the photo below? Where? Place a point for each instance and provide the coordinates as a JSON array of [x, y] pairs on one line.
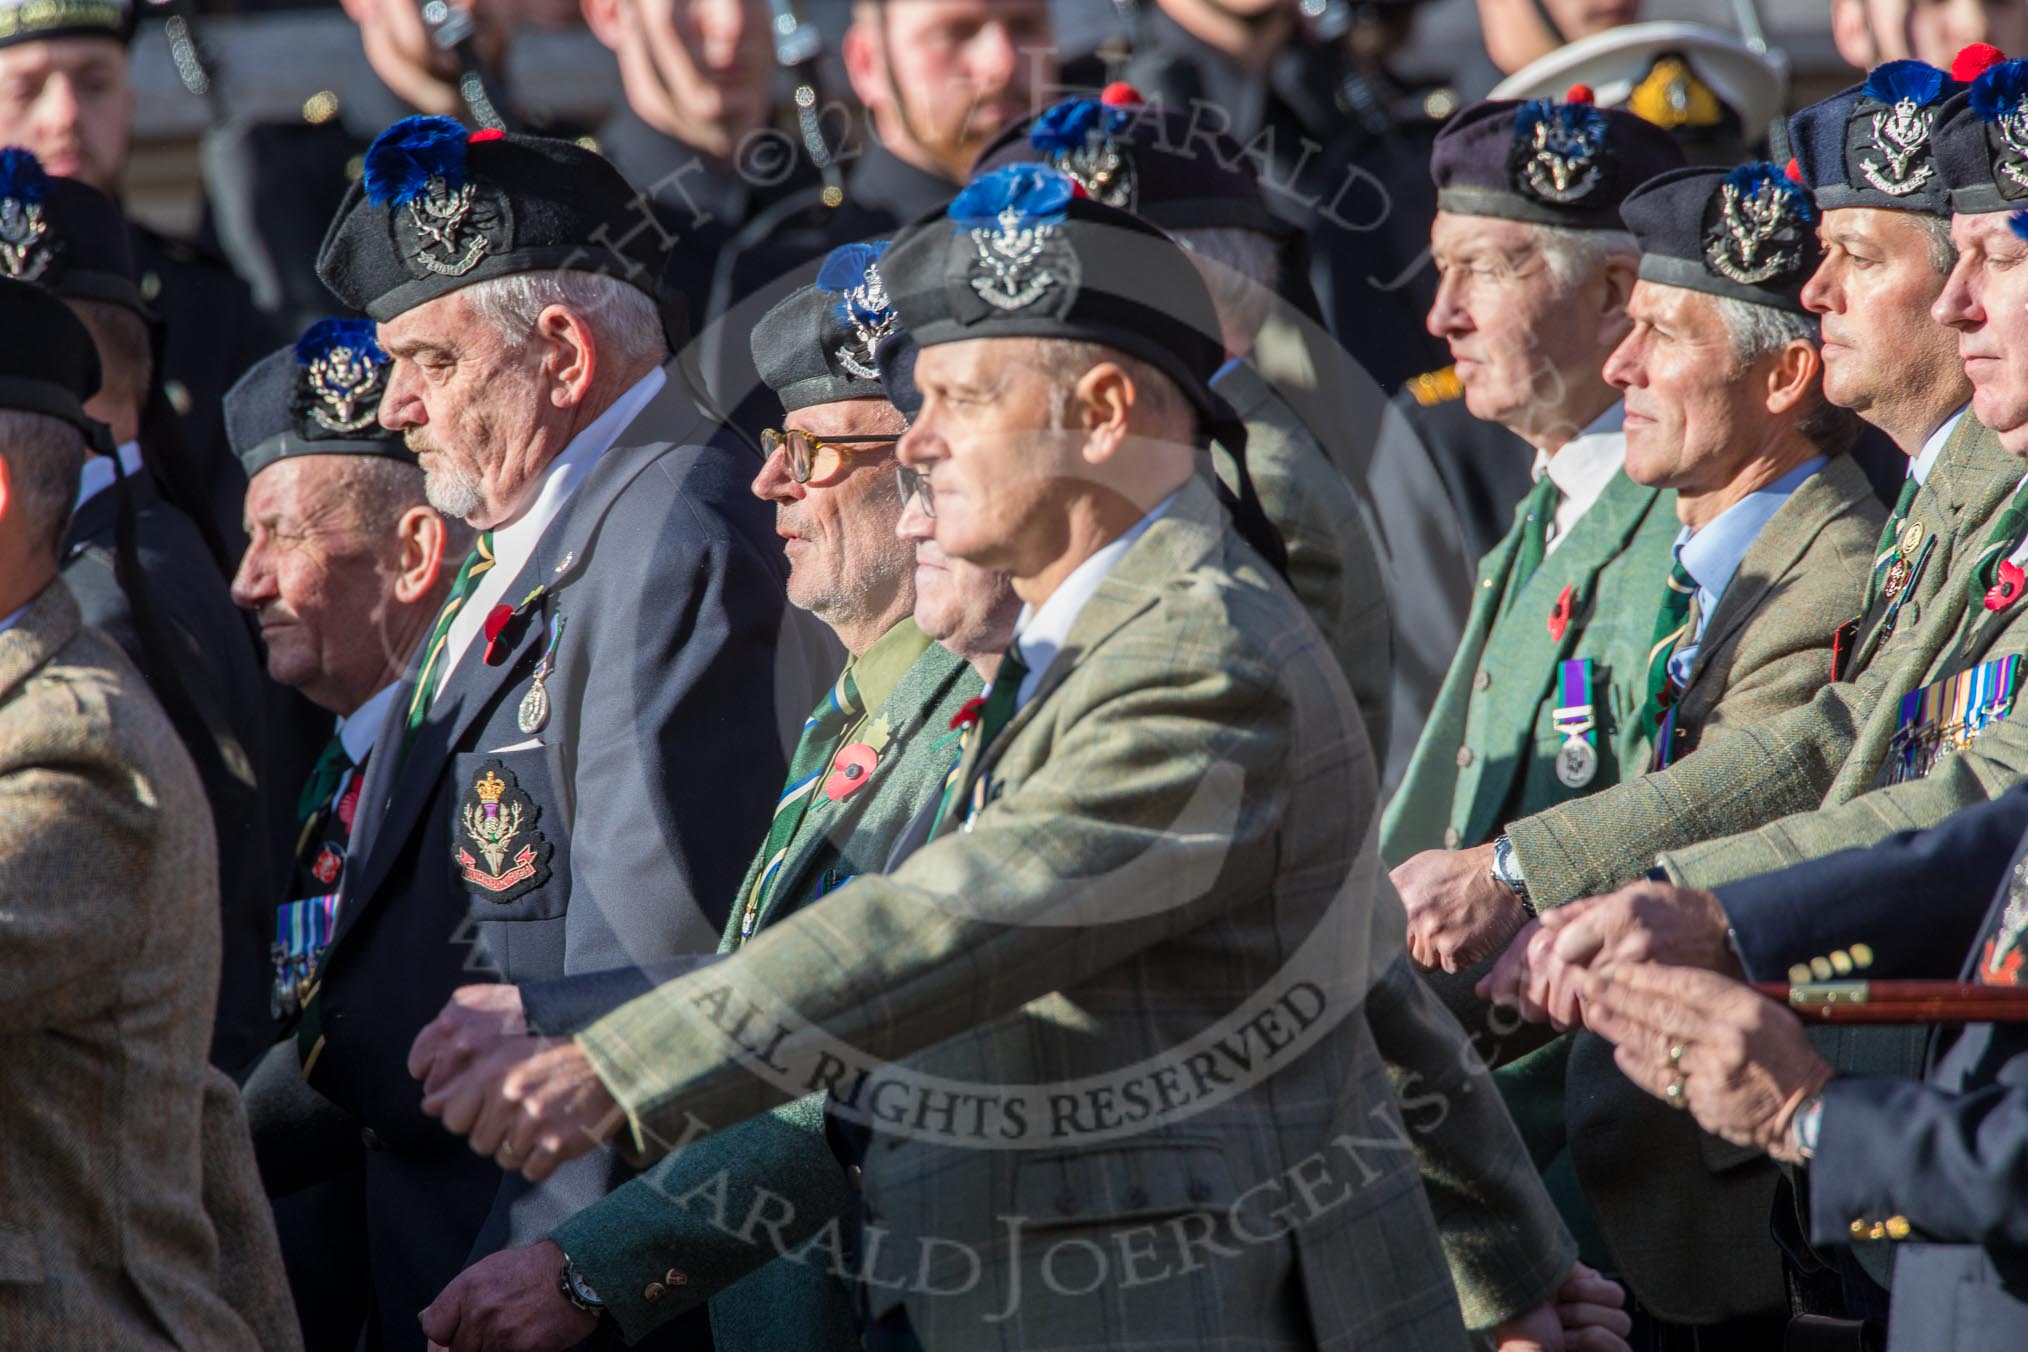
[[1862, 955], [1878, 1231], [1841, 963], [1451, 837], [1464, 757], [1820, 968], [1483, 681], [677, 1277], [1858, 1229], [1799, 975], [652, 1292], [1898, 1227], [320, 107]]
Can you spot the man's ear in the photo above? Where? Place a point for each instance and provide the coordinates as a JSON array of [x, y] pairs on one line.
[[1792, 378], [421, 535], [571, 354], [1616, 288], [603, 18], [865, 62], [1103, 405]]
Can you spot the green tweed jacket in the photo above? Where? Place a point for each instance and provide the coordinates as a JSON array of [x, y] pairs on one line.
[[1683, 1214], [1113, 1016], [1488, 752], [1332, 564], [626, 1244], [1741, 797]]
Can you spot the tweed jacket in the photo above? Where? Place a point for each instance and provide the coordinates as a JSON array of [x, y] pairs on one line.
[[108, 967], [1819, 760], [631, 1239], [1333, 569], [1153, 852], [249, 1252], [1488, 752]]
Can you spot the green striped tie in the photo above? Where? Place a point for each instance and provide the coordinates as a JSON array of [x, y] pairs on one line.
[[478, 562], [332, 763], [1539, 510], [823, 730], [1672, 626], [993, 716], [2005, 537]]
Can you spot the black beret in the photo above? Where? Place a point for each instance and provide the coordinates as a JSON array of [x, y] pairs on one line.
[[1141, 157], [896, 358], [1019, 254], [1547, 163], [1870, 145], [1745, 233], [438, 208], [1982, 141], [48, 363], [816, 345], [320, 396], [39, 20], [66, 235]]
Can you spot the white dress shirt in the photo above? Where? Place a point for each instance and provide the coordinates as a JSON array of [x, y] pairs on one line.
[[514, 543], [1581, 469], [1919, 467], [1041, 632], [97, 475]]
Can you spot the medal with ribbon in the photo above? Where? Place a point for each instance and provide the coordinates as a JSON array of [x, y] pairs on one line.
[[1577, 758], [1948, 716]]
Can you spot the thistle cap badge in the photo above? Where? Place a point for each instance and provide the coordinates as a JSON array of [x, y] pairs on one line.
[[26, 246], [1757, 225], [1559, 153], [1887, 138], [851, 272], [1999, 98], [344, 373], [1012, 217], [445, 222], [1081, 138]]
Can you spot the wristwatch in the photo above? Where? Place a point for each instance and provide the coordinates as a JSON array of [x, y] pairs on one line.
[[577, 1290], [1806, 1125], [1506, 871]]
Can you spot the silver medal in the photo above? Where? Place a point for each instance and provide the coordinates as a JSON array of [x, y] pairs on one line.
[[1576, 763], [534, 711]]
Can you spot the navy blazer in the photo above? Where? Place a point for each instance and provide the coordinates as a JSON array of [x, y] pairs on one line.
[[663, 592]]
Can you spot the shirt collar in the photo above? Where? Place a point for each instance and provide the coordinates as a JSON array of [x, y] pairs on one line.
[[1041, 631], [878, 670], [97, 475], [515, 542], [358, 729], [1919, 467], [13, 619], [1582, 466], [1713, 554]]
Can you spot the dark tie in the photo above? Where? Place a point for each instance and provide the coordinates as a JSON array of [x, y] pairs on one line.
[[477, 563], [332, 763], [1538, 511], [823, 730], [1672, 628], [994, 711]]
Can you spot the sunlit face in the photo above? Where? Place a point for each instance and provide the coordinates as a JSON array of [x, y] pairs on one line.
[[71, 102], [1873, 292], [1986, 302], [838, 530], [961, 605], [997, 464], [1503, 313], [950, 74], [714, 61], [468, 404], [319, 584], [1692, 414], [1934, 30]]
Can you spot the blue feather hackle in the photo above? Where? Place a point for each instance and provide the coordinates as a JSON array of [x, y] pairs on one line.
[[1999, 92], [1038, 194], [843, 270], [321, 337], [1917, 81], [2017, 221], [405, 157], [1574, 128], [22, 176], [1069, 124], [1748, 178]]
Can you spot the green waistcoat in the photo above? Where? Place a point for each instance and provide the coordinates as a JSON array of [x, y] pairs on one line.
[[687, 1211], [1488, 751]]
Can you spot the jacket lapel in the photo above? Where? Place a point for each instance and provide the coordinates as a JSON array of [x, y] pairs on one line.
[[50, 622]]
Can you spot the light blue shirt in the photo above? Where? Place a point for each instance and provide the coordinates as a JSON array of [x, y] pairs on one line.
[[12, 620], [1712, 555]]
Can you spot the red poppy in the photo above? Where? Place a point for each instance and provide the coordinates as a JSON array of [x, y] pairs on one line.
[[969, 712], [2008, 589], [1559, 618], [2006, 972], [484, 134], [851, 769], [496, 624]]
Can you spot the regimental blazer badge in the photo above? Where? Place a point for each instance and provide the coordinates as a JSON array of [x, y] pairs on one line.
[[1011, 217], [1080, 137], [851, 272], [1757, 226], [445, 222], [1559, 153], [1999, 98], [498, 821], [2000, 958], [343, 375], [26, 246], [1887, 137]]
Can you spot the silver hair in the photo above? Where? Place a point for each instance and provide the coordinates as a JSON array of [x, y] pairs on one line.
[[378, 491], [1241, 269], [44, 458], [1162, 401], [1575, 255], [621, 316], [1936, 230], [1758, 330]]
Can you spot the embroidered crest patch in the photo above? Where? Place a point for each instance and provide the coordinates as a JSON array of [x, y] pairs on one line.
[[343, 373], [26, 247], [1559, 153], [1011, 217], [1757, 226], [499, 821], [2000, 956], [851, 272], [1080, 137]]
